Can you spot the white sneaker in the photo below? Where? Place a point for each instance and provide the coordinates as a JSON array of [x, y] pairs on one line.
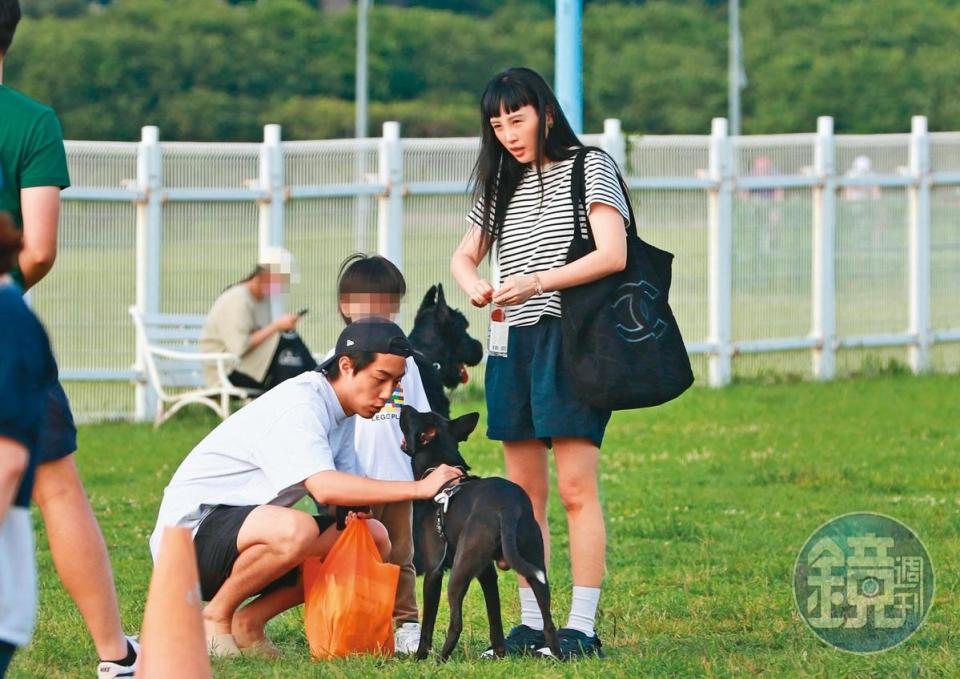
[[406, 641], [110, 670]]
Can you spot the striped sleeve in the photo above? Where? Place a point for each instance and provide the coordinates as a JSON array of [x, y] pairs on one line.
[[475, 216], [602, 184]]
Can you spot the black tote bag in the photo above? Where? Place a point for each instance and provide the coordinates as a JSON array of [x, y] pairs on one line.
[[622, 348]]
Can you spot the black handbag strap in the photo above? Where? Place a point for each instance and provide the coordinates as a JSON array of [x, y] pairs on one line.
[[578, 192]]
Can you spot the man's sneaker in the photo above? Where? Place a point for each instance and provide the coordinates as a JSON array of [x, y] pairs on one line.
[[574, 644], [522, 640], [406, 641], [110, 670]]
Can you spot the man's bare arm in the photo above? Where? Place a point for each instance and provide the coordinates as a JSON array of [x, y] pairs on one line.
[[40, 206], [340, 488]]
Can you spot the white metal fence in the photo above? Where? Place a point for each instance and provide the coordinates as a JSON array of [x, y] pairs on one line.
[[795, 254]]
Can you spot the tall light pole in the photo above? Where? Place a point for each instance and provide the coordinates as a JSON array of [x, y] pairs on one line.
[[735, 68], [568, 61], [360, 120]]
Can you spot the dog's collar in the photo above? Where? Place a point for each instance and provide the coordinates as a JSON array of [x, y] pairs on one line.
[[442, 501]]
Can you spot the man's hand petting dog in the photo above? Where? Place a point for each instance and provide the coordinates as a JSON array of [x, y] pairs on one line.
[[431, 484]]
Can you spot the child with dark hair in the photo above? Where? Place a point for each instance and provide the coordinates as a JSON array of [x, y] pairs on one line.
[[373, 286]]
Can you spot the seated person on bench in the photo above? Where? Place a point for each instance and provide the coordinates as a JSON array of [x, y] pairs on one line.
[[240, 323]]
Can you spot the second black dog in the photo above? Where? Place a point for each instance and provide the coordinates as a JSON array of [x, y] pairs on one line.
[[477, 523], [442, 348]]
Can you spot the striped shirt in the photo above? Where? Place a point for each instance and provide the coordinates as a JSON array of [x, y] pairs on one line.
[[536, 233]]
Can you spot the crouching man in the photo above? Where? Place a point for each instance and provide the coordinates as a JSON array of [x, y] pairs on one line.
[[236, 489]]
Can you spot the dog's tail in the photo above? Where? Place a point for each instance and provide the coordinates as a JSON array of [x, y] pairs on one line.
[[509, 519]]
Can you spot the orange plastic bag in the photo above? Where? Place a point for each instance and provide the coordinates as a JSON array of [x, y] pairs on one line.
[[348, 597]]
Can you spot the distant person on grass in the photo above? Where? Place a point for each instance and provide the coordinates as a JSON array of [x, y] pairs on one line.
[[35, 166], [240, 322], [236, 488], [27, 373]]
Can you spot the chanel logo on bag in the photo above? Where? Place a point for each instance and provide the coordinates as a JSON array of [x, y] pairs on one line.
[[634, 314]]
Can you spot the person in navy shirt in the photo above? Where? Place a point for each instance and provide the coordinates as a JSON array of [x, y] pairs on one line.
[[27, 373]]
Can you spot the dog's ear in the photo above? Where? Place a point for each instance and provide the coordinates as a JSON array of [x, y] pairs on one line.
[[463, 426], [441, 298], [430, 298], [427, 434]]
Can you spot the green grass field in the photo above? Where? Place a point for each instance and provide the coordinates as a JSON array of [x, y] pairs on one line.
[[708, 501]]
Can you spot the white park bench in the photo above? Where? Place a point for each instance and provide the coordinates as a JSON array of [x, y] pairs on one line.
[[170, 355]]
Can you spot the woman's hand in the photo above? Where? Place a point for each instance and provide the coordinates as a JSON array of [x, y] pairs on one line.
[[481, 294], [287, 322], [516, 290]]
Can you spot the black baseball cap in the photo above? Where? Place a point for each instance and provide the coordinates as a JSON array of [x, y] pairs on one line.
[[374, 334]]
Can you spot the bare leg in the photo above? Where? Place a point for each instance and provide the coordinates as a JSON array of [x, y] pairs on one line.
[[526, 463], [577, 482], [272, 541], [249, 622], [80, 553]]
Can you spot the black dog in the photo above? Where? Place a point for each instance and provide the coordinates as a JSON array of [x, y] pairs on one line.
[[476, 523], [442, 348]]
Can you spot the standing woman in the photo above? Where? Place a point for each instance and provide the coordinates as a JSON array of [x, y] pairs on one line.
[[522, 180]]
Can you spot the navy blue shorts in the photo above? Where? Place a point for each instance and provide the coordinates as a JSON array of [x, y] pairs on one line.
[[528, 393], [59, 435]]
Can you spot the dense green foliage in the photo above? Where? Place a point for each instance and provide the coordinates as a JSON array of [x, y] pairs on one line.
[[212, 69]]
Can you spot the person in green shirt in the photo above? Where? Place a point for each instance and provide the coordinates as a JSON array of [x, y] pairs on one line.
[[34, 163]]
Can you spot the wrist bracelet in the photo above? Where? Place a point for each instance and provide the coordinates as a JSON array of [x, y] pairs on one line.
[[539, 284]]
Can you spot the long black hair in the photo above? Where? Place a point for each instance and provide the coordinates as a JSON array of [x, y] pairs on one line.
[[497, 173]]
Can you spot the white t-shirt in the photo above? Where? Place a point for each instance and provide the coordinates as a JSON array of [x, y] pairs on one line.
[[378, 439], [262, 454], [538, 226]]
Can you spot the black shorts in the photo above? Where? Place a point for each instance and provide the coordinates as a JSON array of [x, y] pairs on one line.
[[216, 547], [58, 438]]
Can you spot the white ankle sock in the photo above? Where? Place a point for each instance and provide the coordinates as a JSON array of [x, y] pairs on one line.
[[529, 609], [583, 611]]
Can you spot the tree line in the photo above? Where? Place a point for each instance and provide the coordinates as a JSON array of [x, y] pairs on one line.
[[219, 70]]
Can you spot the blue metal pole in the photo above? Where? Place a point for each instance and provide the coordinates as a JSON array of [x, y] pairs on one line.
[[568, 76]]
